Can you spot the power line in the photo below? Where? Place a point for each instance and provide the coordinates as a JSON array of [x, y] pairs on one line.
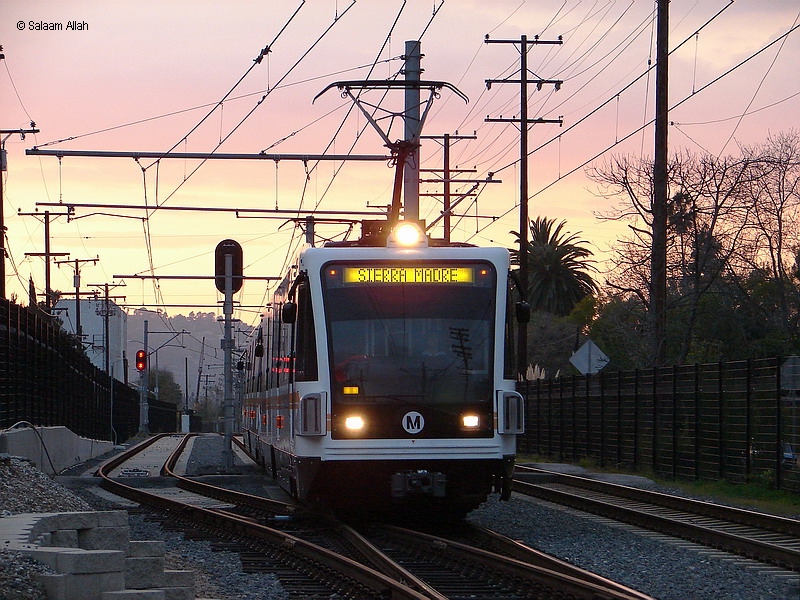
[[638, 129]]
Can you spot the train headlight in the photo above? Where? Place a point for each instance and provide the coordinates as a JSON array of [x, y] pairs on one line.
[[407, 234], [354, 423], [470, 421]]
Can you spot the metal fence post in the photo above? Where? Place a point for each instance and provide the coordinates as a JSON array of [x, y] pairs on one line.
[[778, 428]]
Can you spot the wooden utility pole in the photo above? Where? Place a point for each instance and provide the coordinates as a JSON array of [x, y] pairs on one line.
[[6, 133], [48, 292], [524, 122], [447, 172], [77, 282], [107, 312], [658, 261]]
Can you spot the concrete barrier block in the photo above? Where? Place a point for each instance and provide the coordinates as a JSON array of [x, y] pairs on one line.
[[112, 518], [144, 572], [178, 593], [134, 595], [92, 586], [64, 538], [179, 578], [104, 538], [139, 548], [80, 561], [54, 585], [47, 556], [67, 520]]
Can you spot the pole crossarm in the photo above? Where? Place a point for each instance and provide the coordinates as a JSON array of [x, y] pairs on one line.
[[391, 84], [533, 42], [451, 170], [557, 83], [204, 155], [47, 254], [21, 132], [559, 120], [461, 180]]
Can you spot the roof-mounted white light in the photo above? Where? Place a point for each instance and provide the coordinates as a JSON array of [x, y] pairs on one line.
[[407, 234]]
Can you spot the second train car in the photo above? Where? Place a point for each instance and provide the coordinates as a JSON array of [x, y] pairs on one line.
[[382, 378]]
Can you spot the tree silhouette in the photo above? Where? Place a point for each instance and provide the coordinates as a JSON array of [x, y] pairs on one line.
[[559, 267]]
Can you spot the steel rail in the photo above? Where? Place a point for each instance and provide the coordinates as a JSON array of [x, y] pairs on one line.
[[233, 525], [575, 583], [717, 538], [220, 493], [506, 546], [709, 509]]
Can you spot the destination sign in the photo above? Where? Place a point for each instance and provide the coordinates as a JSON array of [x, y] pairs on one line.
[[408, 275]]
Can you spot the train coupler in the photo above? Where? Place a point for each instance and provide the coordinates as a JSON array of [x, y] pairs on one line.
[[419, 483]]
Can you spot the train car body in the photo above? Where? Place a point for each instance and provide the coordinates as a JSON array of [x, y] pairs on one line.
[[380, 379]]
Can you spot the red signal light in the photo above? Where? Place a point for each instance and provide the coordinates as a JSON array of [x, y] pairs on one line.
[[141, 360]]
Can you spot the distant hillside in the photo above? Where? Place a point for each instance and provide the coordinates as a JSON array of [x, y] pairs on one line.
[[175, 350]]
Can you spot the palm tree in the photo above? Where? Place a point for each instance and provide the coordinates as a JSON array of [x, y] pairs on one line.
[[558, 267]]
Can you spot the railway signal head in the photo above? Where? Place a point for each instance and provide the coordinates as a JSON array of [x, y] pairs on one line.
[[141, 360]]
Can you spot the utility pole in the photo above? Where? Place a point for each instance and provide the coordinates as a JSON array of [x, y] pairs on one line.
[[445, 140], [48, 292], [413, 72], [107, 311], [524, 122], [658, 261], [76, 279], [200, 370], [3, 168], [144, 407]]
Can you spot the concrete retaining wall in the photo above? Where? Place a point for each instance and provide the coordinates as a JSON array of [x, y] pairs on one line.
[[51, 449]]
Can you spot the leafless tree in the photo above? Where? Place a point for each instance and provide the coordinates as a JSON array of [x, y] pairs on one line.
[[707, 214]]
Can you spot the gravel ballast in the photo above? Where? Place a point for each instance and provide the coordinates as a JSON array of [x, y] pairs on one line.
[[668, 570]]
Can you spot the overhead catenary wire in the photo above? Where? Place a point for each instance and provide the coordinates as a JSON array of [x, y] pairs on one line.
[[487, 160], [639, 129], [622, 90], [259, 102]]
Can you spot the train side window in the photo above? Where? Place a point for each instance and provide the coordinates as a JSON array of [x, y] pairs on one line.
[[274, 358], [306, 345], [511, 332]]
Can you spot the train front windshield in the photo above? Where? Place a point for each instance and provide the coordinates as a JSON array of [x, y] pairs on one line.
[[417, 334]]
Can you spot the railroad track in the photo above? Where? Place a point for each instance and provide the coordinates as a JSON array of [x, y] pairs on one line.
[[471, 562], [316, 556], [762, 537], [305, 569]]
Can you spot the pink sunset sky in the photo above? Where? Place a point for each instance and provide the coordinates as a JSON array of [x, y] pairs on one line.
[[142, 76]]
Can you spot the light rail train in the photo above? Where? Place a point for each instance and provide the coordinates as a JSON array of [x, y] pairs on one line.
[[382, 378]]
